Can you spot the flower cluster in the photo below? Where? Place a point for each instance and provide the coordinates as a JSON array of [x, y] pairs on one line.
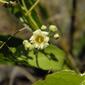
[[40, 38]]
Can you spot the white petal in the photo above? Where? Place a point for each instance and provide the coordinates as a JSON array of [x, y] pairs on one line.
[[46, 39], [45, 33], [42, 46], [37, 31]]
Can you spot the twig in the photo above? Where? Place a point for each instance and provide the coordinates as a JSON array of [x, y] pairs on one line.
[[11, 37], [72, 62], [71, 35], [72, 27], [20, 70]]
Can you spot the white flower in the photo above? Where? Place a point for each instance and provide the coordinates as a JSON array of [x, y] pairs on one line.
[[53, 28], [40, 39], [27, 45]]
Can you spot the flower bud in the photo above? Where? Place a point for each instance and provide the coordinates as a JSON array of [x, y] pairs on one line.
[[27, 45], [43, 27], [53, 28], [56, 36]]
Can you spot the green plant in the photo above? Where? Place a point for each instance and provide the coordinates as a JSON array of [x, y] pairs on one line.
[[40, 50]]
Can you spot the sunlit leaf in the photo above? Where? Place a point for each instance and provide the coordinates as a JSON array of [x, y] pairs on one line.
[[51, 59], [62, 78]]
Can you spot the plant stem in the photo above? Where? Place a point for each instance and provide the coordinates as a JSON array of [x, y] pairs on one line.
[[33, 21], [72, 30], [25, 8], [72, 62], [34, 5], [28, 13]]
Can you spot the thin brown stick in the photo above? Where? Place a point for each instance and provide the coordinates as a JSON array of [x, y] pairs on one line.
[[11, 37]]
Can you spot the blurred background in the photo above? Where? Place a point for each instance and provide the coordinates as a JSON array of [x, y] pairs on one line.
[[67, 15]]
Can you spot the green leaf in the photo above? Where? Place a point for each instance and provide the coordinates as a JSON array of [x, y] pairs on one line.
[[62, 78], [83, 79], [12, 49], [32, 61], [83, 82], [4, 60], [51, 59], [58, 53]]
